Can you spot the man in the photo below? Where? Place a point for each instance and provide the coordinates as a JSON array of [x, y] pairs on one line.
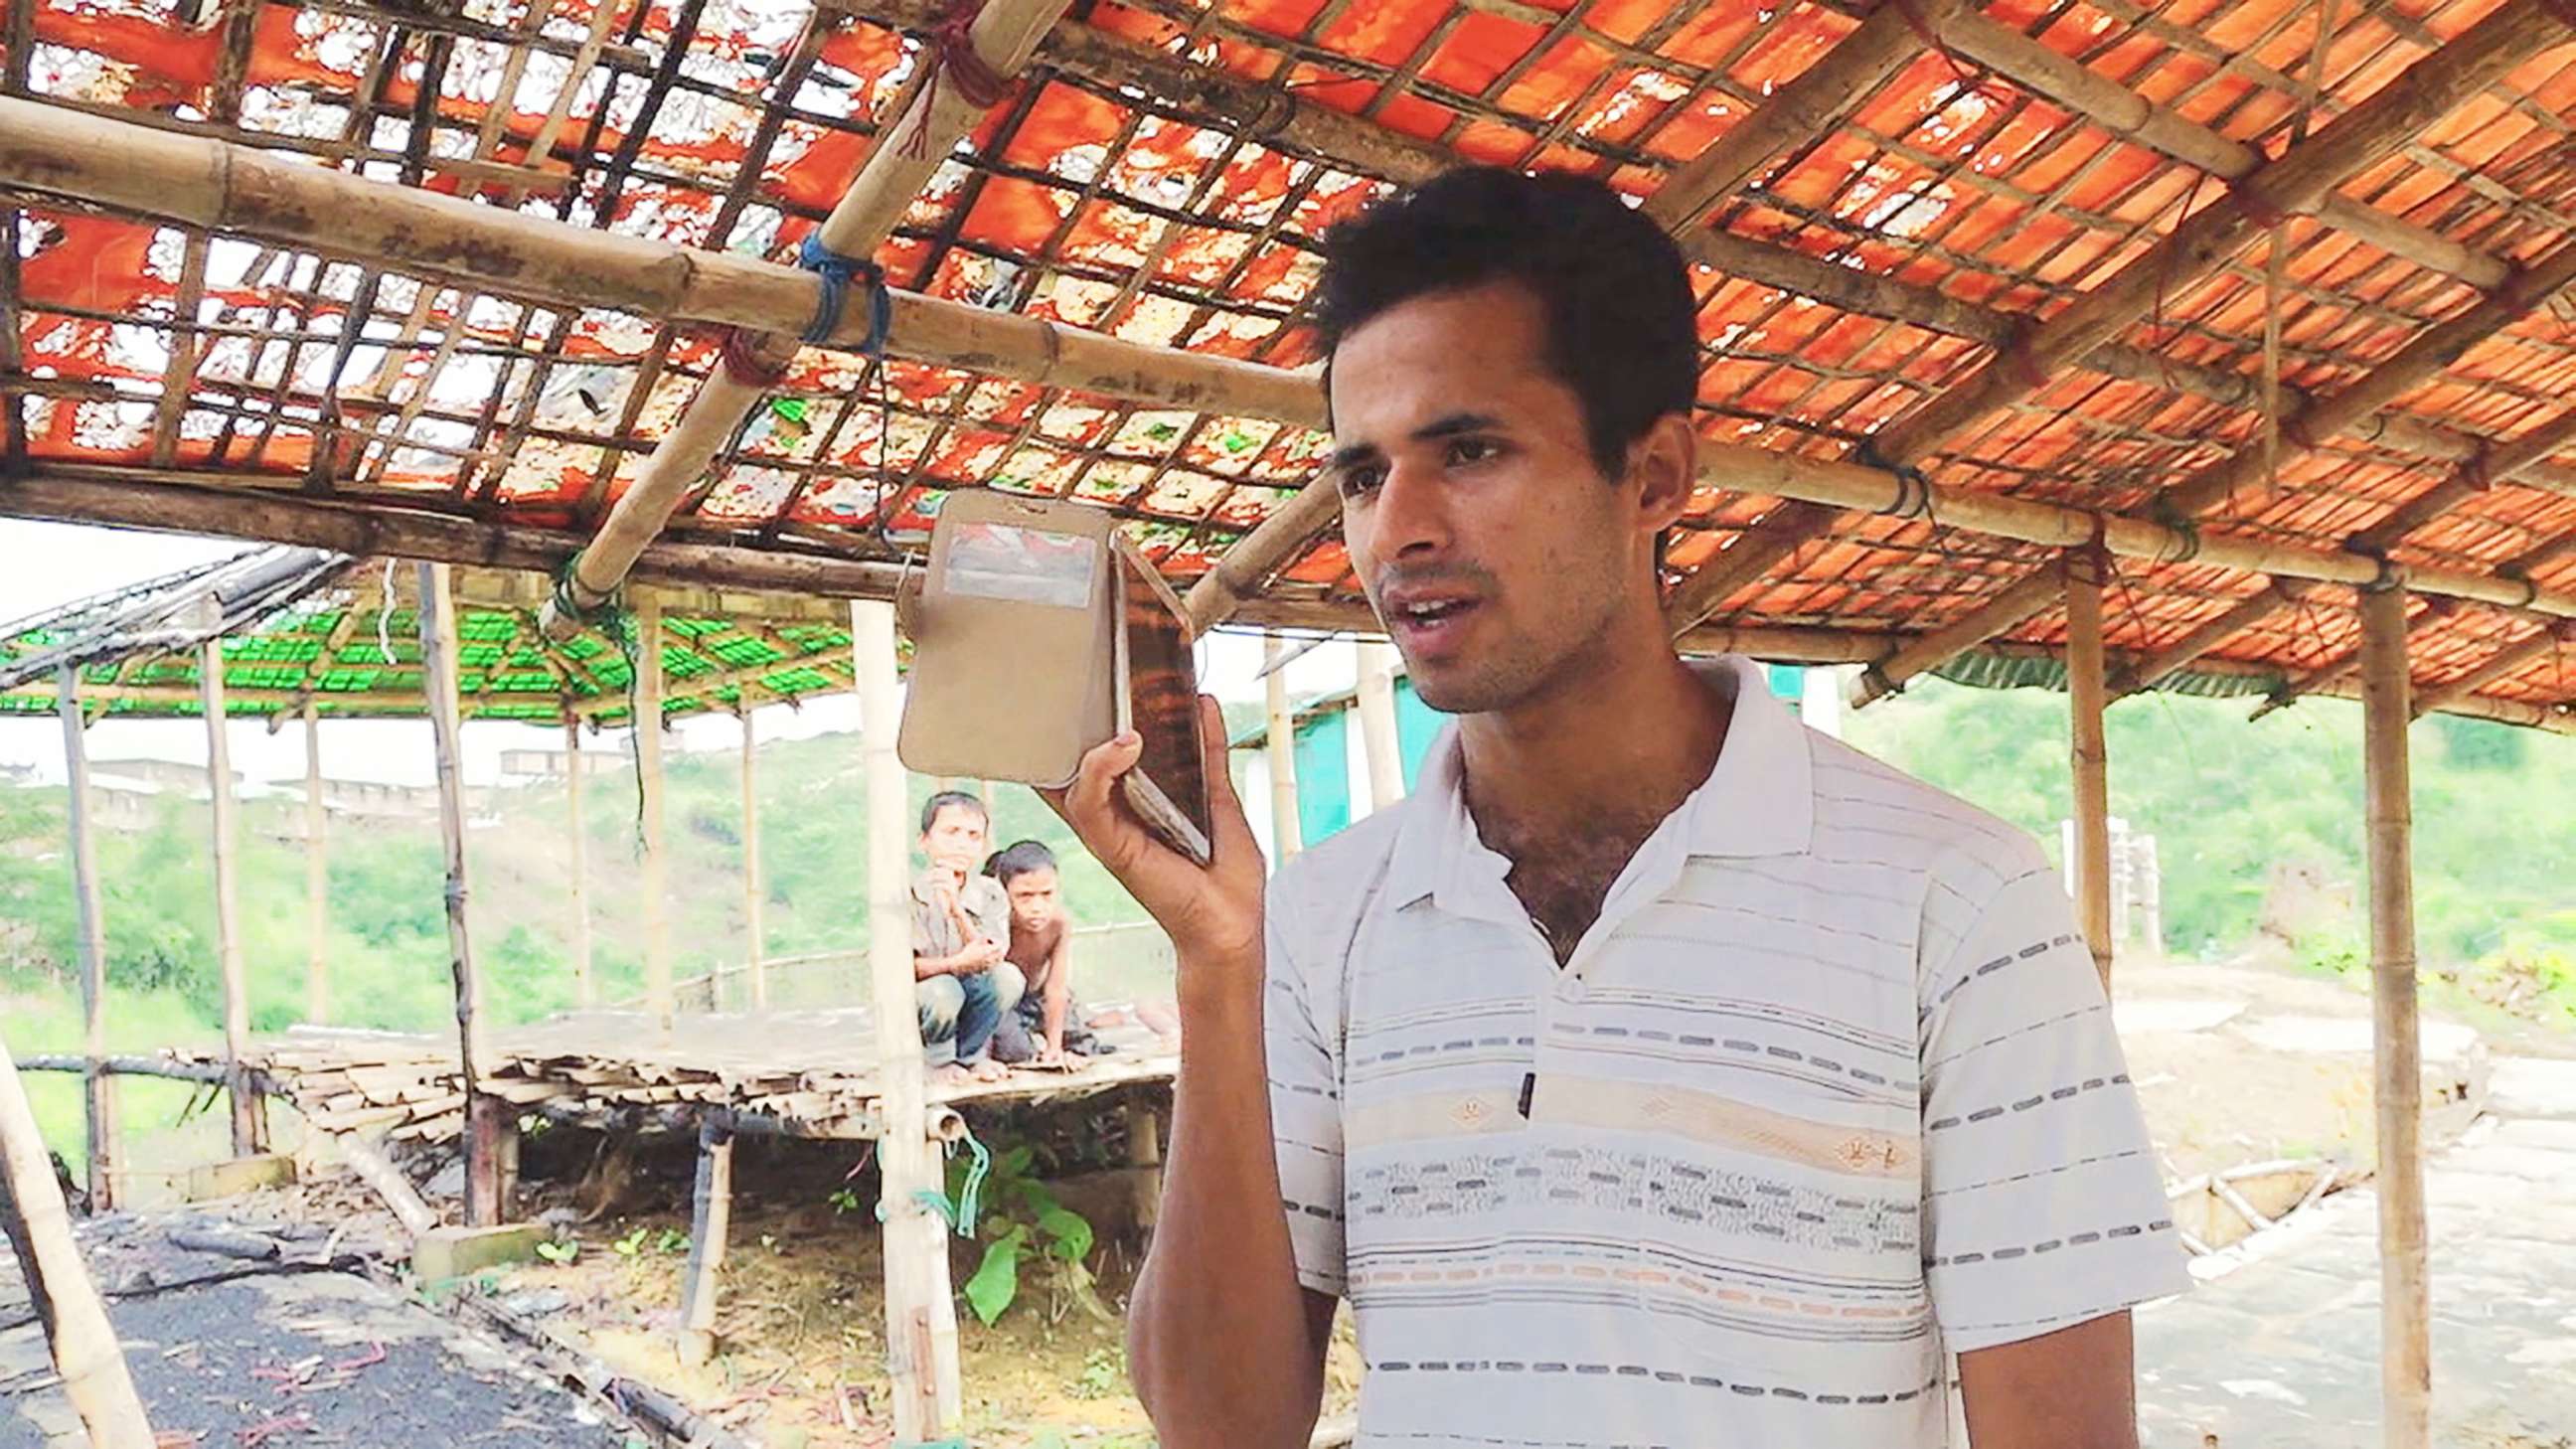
[[1661, 1073], [961, 933]]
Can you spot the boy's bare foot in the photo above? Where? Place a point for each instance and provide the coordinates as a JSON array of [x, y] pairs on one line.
[[989, 1070], [950, 1074]]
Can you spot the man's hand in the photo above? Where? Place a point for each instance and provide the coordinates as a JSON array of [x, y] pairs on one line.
[[981, 957], [1212, 913]]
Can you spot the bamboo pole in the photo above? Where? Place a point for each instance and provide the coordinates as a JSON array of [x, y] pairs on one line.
[[250, 1125], [754, 894], [902, 162], [1753, 553], [77, 1334], [484, 1205], [2146, 672], [450, 240], [921, 1317], [400, 1197], [2390, 117], [317, 878], [2406, 1367], [585, 987], [2432, 350], [2053, 75], [710, 1221], [2503, 664], [648, 770], [98, 1089], [1378, 732], [1811, 103], [1286, 831], [2018, 602], [2090, 754], [1145, 1155]]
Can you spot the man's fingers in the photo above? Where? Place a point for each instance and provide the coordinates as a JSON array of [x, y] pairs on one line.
[[1225, 809]]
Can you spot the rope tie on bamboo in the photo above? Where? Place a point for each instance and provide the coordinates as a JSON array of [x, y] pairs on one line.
[[962, 1215], [2090, 563], [2255, 204], [1913, 490], [2184, 527], [953, 58], [837, 272], [2530, 592], [2390, 576], [1874, 678], [742, 362]]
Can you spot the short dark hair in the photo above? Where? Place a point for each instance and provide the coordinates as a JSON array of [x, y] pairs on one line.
[[1621, 321], [946, 798], [1019, 858]]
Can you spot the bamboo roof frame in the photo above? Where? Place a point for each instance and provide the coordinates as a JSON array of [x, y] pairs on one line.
[[2059, 372]]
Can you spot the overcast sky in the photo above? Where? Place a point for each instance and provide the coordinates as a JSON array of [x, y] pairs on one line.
[[46, 565]]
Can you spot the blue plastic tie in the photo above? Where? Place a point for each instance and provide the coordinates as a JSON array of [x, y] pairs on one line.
[[837, 272], [962, 1215]]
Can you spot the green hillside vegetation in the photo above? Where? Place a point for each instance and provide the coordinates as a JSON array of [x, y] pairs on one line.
[[2238, 808]]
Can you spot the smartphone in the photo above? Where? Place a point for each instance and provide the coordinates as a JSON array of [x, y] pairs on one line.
[[1158, 697]]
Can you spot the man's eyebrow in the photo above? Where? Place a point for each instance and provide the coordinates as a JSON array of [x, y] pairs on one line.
[[1456, 424], [1452, 426], [1346, 458]]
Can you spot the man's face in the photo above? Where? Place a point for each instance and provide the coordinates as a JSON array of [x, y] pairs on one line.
[[955, 839], [1493, 549], [1033, 898]]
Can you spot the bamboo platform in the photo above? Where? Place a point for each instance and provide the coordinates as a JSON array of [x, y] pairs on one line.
[[795, 1073]]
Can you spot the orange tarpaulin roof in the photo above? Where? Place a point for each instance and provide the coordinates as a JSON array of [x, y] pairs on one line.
[[1109, 203]]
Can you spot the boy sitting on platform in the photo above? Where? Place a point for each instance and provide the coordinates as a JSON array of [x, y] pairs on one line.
[[1043, 1029], [961, 932]]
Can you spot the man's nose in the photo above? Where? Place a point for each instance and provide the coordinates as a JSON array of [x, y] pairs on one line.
[[1411, 517]]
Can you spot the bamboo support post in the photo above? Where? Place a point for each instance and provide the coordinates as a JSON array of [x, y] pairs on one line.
[[1379, 737], [754, 893], [249, 1114], [98, 1089], [2090, 755], [2406, 1367], [1145, 1154], [83, 1343], [317, 878], [648, 771], [485, 1195], [710, 1220], [1287, 836], [934, 118], [921, 1317], [585, 986]]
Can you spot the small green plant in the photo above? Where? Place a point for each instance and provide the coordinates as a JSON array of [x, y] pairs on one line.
[[672, 1242], [844, 1200], [559, 1253], [631, 1244], [1021, 1219]]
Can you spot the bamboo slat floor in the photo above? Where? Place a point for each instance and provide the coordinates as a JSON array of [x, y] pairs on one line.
[[800, 1073]]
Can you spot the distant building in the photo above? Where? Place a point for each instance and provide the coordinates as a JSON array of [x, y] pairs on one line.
[[528, 767], [185, 780]]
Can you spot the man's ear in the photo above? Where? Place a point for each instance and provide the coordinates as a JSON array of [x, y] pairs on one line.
[[1664, 464]]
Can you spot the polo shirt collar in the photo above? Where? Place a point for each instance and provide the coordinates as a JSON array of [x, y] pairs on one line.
[[1758, 799]]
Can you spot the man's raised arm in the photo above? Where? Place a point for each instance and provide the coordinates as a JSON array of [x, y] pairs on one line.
[[1225, 1346]]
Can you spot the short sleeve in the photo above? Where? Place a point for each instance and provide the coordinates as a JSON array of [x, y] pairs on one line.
[[2043, 1206], [1305, 1115]]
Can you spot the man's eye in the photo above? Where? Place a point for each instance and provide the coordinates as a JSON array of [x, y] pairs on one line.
[[1356, 481], [1463, 451]]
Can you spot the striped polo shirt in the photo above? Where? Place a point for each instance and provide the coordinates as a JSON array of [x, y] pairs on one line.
[[1828, 1095]]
